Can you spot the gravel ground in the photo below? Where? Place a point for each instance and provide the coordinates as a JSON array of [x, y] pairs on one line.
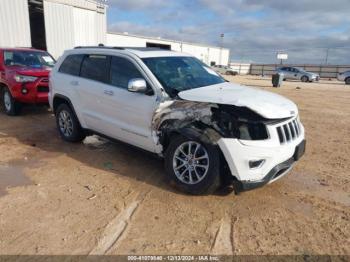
[[106, 198]]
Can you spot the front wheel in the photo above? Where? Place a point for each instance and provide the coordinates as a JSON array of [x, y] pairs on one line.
[[68, 125], [304, 79], [193, 166], [347, 81], [12, 107]]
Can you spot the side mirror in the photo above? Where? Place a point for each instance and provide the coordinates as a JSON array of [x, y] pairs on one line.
[[137, 85]]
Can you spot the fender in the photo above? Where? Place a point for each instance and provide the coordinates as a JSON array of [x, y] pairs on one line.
[[191, 130], [207, 135]]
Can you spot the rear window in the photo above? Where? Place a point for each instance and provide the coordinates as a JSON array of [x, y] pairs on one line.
[[95, 67], [71, 65]]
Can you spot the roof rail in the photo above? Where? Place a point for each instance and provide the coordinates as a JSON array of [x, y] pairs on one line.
[[100, 46]]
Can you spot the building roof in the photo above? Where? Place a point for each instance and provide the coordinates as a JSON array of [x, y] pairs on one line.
[[165, 40]]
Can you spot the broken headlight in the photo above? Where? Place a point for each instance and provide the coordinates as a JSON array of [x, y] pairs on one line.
[[232, 126], [252, 131]]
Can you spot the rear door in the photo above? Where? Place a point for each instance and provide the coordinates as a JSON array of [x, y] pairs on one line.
[[90, 86]]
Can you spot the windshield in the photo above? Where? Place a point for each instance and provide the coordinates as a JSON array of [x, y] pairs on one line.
[[33, 59], [178, 74]]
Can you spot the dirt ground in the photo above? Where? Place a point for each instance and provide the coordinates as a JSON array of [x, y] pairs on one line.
[[105, 198]]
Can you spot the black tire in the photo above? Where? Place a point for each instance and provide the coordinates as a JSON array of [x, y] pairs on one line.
[[304, 79], [211, 180], [347, 81], [11, 106], [75, 133]]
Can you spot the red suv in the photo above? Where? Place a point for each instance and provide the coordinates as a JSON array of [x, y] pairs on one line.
[[24, 77]]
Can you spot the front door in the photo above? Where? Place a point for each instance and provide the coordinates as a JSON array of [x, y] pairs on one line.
[[128, 112]]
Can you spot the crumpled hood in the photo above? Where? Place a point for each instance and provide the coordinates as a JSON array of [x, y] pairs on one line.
[[267, 104]]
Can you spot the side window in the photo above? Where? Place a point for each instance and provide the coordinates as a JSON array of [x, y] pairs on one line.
[[95, 67], [8, 58], [122, 71], [71, 65]]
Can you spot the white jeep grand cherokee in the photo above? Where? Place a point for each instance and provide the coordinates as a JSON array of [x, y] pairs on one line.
[[209, 131]]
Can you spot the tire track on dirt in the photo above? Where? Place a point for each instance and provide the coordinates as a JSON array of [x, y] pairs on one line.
[[223, 243], [116, 228]]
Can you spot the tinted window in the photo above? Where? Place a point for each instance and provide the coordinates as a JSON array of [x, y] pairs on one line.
[[122, 71], [71, 65], [95, 67]]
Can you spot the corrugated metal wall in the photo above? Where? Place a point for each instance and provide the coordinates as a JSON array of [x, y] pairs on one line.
[[68, 26], [14, 23], [58, 27]]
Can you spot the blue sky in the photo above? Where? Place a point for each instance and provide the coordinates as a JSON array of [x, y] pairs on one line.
[[254, 29]]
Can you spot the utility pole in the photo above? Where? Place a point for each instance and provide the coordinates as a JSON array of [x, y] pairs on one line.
[[221, 47], [327, 53]]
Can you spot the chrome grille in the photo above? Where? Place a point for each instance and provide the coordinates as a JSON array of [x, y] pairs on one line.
[[288, 132]]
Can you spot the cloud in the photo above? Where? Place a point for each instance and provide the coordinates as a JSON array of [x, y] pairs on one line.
[[137, 4], [254, 29]]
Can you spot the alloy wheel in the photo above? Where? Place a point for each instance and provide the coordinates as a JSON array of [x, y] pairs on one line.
[[7, 101], [65, 123], [191, 162]]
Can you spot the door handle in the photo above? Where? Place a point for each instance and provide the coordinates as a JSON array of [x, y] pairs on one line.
[[108, 92], [74, 83]]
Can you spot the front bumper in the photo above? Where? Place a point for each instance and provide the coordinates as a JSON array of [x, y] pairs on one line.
[[278, 157], [315, 78], [36, 92], [276, 173]]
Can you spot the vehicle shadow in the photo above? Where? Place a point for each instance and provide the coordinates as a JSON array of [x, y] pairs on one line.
[[36, 128]]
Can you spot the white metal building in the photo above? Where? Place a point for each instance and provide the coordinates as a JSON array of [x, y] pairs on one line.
[[57, 25], [208, 54], [54, 25]]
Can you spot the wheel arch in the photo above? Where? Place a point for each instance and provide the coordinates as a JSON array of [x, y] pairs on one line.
[[3, 86], [308, 78], [61, 99], [191, 130], [347, 79]]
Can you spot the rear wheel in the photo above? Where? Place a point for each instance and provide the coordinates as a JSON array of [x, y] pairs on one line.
[[347, 81], [68, 124], [193, 166], [305, 79], [11, 107]]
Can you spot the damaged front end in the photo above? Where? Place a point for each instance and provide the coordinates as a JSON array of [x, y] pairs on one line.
[[208, 122]]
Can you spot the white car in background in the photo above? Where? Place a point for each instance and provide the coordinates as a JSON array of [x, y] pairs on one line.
[[345, 77], [224, 70], [173, 105]]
